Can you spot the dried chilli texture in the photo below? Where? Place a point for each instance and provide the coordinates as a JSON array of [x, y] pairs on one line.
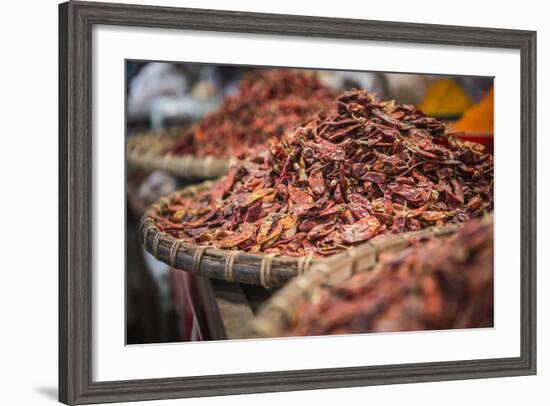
[[268, 103], [436, 284], [364, 168]]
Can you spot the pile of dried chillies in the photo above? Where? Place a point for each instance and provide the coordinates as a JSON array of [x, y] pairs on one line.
[[268, 104], [437, 284], [362, 169]]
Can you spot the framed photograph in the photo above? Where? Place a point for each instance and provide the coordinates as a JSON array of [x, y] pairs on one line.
[[260, 203]]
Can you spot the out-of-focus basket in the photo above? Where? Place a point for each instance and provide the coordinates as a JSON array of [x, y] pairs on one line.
[[276, 315], [268, 270], [149, 151]]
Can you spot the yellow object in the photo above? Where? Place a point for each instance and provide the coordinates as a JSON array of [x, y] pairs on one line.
[[445, 98], [479, 118]]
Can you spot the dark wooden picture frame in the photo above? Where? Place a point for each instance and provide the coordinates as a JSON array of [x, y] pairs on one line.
[[76, 20]]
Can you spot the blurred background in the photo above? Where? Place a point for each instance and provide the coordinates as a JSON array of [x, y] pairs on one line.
[[160, 96]]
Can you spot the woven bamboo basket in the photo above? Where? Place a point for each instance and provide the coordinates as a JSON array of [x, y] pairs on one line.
[[268, 270], [148, 151], [277, 314]]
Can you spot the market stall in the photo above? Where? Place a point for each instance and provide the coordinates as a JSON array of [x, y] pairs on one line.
[[315, 176]]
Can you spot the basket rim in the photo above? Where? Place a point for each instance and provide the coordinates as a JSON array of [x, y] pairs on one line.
[[185, 166]]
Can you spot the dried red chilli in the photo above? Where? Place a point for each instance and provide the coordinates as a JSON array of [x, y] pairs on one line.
[[362, 169], [269, 103], [436, 284]]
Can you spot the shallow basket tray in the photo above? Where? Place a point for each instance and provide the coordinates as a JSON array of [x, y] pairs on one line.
[[148, 151], [268, 270], [277, 314]]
